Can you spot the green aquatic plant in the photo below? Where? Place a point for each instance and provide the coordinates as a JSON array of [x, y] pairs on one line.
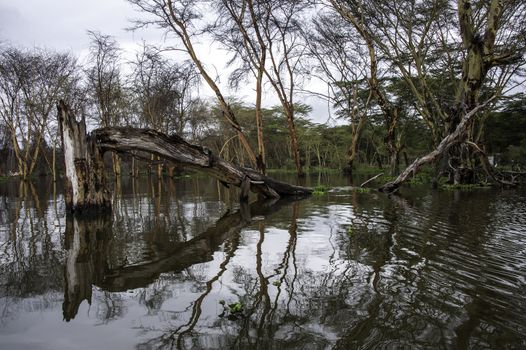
[[464, 187], [362, 189], [349, 232], [320, 190], [232, 311], [235, 308]]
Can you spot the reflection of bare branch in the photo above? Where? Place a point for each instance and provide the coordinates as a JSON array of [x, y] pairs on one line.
[[263, 282], [284, 266], [196, 310], [293, 230], [232, 225]]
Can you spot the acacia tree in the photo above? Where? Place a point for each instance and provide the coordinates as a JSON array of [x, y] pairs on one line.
[[461, 43], [354, 15], [342, 65], [238, 29], [30, 85], [105, 84], [286, 50], [184, 20]]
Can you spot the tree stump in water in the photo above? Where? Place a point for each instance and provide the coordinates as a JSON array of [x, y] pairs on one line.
[[85, 185]]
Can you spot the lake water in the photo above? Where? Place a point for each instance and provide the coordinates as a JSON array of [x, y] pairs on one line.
[[180, 264]]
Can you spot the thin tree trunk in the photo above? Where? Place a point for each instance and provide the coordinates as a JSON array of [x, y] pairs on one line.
[[116, 161], [159, 168], [181, 30], [353, 148], [54, 162], [294, 141], [261, 159]]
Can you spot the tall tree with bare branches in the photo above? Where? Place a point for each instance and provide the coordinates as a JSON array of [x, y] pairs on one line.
[[105, 84], [184, 20], [30, 84]]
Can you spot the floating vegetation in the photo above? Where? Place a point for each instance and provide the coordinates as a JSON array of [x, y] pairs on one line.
[[232, 311], [362, 189], [465, 187], [235, 308], [320, 190]]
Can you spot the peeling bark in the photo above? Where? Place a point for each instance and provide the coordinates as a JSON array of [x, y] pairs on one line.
[[85, 181]]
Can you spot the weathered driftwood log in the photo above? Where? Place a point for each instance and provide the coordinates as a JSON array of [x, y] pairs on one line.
[[448, 141], [83, 157], [85, 182]]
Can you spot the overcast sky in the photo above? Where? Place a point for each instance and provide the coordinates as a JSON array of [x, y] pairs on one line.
[[62, 25]]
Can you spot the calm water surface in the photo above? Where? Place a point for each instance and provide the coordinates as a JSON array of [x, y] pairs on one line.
[[180, 264]]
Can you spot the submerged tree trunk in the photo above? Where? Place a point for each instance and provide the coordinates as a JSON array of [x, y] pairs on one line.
[[394, 161], [261, 157], [134, 172], [479, 43], [116, 161], [356, 133]]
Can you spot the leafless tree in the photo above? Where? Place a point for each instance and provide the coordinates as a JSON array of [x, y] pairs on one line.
[[105, 84], [183, 20], [163, 91], [30, 84]]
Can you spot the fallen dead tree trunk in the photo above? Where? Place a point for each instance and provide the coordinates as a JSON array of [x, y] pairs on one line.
[[191, 156], [448, 141], [84, 169]]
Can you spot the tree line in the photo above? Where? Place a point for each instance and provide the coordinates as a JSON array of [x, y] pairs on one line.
[[400, 75]]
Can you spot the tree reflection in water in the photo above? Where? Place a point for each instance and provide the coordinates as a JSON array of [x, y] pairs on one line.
[[345, 271], [89, 259]]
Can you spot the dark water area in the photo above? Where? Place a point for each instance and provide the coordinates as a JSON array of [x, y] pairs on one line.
[[180, 264]]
